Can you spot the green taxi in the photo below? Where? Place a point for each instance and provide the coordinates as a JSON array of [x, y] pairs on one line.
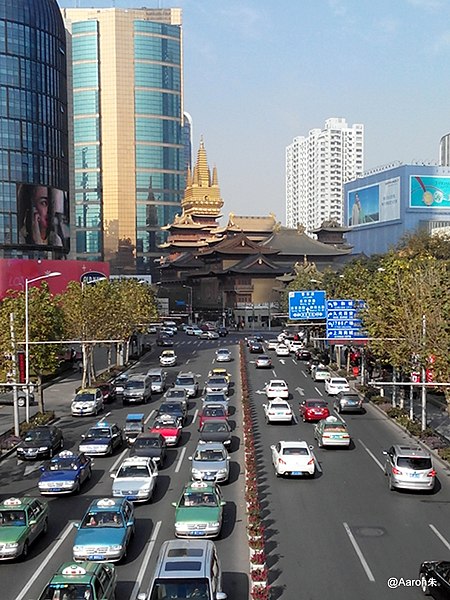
[[332, 431], [22, 520], [199, 511], [82, 581]]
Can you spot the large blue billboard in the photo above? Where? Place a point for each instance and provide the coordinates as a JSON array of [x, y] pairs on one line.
[[307, 304], [374, 203], [429, 192]]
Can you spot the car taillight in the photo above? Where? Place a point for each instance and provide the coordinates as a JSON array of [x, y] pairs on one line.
[[271, 412], [432, 473], [396, 471], [281, 461], [311, 462]]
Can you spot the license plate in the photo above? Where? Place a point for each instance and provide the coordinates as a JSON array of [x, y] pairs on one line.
[[280, 414], [96, 557], [297, 472], [131, 497], [414, 474], [198, 533], [336, 437], [54, 489]]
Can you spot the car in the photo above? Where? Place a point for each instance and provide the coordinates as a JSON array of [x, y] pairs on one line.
[[302, 354], [210, 462], [215, 430], [336, 385], [167, 331], [174, 409], [272, 344], [151, 445], [434, 579], [196, 331], [217, 398], [108, 391], [164, 340], [186, 381], [65, 473], [178, 394], [314, 409], [152, 329], [282, 350], [22, 521], [321, 374], [101, 439], [209, 335], [135, 479], [263, 362], [82, 580], [105, 531], [294, 346], [212, 411], [169, 427], [221, 372], [119, 384], [278, 411], [293, 458], [157, 379], [199, 511], [138, 389], [134, 425], [223, 355], [168, 358], [217, 383], [331, 432], [409, 467], [348, 402], [222, 331], [40, 442], [277, 388], [256, 348], [88, 401]]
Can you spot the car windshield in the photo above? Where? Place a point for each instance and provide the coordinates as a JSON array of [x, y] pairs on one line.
[[295, 451], [63, 464], [209, 455], [133, 471], [85, 397], [279, 406], [181, 588], [103, 519], [155, 377], [175, 394], [414, 462], [12, 518], [316, 404], [98, 432], [217, 380], [216, 427], [37, 435], [338, 381], [133, 426], [166, 409], [263, 357], [147, 443], [334, 427], [165, 424], [68, 591], [185, 381], [134, 385], [198, 499], [223, 352], [279, 384], [211, 397], [214, 412]]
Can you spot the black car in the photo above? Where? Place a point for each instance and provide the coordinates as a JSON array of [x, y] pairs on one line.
[[435, 579], [164, 340], [215, 431], [118, 385], [152, 445], [256, 348], [173, 408], [303, 354], [222, 331], [41, 442]]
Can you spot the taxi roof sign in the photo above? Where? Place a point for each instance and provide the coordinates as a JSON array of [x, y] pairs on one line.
[[64, 454], [12, 502], [135, 417], [106, 502], [74, 570], [198, 485]]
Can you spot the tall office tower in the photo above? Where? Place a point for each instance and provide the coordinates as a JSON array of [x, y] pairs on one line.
[[34, 164], [317, 167], [128, 115], [444, 151], [187, 141]]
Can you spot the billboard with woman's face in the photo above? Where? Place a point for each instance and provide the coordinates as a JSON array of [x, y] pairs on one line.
[[43, 216], [374, 203]]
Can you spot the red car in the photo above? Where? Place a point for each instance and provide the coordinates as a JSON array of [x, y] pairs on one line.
[[314, 410], [169, 427], [212, 411]]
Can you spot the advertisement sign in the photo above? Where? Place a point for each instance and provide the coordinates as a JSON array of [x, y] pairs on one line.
[[429, 192], [375, 203], [307, 304], [43, 216]]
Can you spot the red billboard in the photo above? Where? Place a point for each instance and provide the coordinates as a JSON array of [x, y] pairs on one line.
[[14, 272]]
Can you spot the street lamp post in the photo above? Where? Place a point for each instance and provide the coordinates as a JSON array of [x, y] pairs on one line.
[[27, 340], [189, 287]]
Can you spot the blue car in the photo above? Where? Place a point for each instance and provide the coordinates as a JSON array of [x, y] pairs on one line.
[[65, 473], [105, 531], [102, 439]]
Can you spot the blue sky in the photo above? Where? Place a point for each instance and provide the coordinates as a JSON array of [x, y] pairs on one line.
[[259, 73]]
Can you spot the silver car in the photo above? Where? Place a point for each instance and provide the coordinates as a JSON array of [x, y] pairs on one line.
[[217, 383], [186, 381], [210, 462], [409, 468]]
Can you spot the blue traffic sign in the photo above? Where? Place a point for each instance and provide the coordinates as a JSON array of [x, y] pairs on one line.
[[307, 304], [343, 320]]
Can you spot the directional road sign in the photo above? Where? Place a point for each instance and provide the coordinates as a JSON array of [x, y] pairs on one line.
[[343, 320], [307, 304]]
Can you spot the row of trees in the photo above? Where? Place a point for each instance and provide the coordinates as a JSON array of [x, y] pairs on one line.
[[109, 311], [407, 298]]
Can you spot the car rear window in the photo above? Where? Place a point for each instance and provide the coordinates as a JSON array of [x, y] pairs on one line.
[[414, 462], [295, 452], [279, 406]]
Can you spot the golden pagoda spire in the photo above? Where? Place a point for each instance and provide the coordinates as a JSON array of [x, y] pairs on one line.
[[202, 193], [215, 180], [189, 177], [202, 166]]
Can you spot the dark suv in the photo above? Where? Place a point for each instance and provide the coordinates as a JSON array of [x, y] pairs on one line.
[[348, 402]]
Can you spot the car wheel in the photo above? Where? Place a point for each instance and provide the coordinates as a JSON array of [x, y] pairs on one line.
[[25, 550], [89, 474], [424, 585], [45, 527], [77, 488]]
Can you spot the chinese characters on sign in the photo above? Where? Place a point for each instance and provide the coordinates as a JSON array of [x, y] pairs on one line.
[[342, 319], [307, 304]]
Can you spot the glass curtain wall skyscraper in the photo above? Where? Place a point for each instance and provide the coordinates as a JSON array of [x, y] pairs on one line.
[[128, 117], [34, 163]]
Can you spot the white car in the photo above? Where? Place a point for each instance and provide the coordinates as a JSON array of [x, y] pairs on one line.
[[168, 358], [282, 350], [136, 479], [335, 385], [223, 355], [321, 374], [272, 344], [278, 411], [87, 401], [197, 331], [295, 345], [293, 458], [209, 335], [277, 388]]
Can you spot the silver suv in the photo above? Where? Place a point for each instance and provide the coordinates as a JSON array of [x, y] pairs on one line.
[[138, 388], [186, 381], [409, 468]]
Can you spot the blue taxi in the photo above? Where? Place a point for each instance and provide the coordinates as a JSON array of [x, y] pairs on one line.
[[105, 531], [65, 473], [101, 439]]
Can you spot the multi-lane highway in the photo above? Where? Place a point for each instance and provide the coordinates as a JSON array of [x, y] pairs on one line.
[[155, 521]]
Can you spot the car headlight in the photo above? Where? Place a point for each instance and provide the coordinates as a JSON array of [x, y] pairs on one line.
[[115, 548], [214, 524], [67, 484], [77, 549], [42, 448], [196, 472], [11, 545], [221, 472], [145, 488], [179, 525]]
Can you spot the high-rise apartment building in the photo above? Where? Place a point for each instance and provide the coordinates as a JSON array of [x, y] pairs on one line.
[[317, 167], [34, 163], [127, 88]]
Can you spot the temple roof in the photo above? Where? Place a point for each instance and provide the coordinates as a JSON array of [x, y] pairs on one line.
[[295, 242], [237, 244], [252, 224]]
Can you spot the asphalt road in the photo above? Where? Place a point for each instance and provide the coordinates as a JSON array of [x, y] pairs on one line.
[[343, 534], [155, 520]]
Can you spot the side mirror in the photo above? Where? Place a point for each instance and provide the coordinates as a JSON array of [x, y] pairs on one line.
[[272, 447], [42, 469], [221, 596], [385, 452], [113, 475], [223, 503], [83, 436], [130, 523], [311, 447], [142, 596], [174, 503], [189, 457], [32, 522], [76, 525]]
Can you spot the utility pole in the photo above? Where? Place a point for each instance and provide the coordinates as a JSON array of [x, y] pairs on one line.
[[14, 375], [424, 375]]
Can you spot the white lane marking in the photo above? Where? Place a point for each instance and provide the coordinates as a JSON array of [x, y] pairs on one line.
[[46, 560], [294, 418], [440, 536], [318, 465], [359, 553], [274, 374], [108, 414], [119, 459], [187, 362], [180, 460], [371, 454], [303, 373], [145, 561], [300, 390], [149, 417], [318, 391], [281, 360], [30, 468], [194, 418], [294, 361]]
